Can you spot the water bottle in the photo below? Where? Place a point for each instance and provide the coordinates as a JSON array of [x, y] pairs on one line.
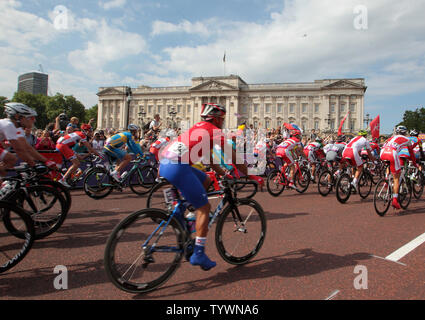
[[191, 222], [124, 175]]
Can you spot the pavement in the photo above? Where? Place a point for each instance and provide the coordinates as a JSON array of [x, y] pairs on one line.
[[315, 249]]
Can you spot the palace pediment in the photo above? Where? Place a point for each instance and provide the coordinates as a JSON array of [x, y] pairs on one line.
[[213, 85], [344, 84], [110, 91]]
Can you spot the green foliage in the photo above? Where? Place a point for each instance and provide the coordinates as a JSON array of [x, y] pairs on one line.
[[48, 108], [414, 119], [92, 114], [2, 102]]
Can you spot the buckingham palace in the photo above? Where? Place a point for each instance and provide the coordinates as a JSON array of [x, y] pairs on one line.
[[319, 105]]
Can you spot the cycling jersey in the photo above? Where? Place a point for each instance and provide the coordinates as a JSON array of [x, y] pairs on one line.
[[219, 157], [353, 149], [313, 151], [284, 150], [334, 151], [190, 146], [8, 132], [64, 144], [116, 143], [404, 152], [390, 152], [157, 145]]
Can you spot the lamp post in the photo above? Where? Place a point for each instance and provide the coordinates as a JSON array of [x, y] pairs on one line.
[[367, 120], [173, 114], [129, 97], [328, 120]]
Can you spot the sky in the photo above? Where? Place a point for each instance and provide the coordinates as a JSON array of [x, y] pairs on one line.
[[84, 45]]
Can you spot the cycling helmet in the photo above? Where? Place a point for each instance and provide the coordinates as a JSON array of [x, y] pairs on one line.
[[401, 130], [362, 133], [414, 133], [133, 127], [86, 127], [318, 139], [212, 110], [13, 108]]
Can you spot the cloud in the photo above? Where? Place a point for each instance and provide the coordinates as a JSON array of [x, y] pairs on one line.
[[278, 51], [111, 44], [161, 27], [112, 4]]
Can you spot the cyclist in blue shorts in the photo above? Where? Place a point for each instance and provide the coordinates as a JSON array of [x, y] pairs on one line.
[[114, 149]]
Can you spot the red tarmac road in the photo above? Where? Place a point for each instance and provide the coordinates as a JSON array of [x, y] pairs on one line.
[[312, 249]]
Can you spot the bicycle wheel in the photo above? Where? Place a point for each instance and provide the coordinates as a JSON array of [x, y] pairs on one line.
[[325, 183], [12, 248], [46, 207], [382, 197], [240, 231], [142, 180], [156, 196], [343, 188], [418, 186], [404, 194], [137, 266], [61, 188], [275, 184], [365, 185], [98, 183], [302, 181]]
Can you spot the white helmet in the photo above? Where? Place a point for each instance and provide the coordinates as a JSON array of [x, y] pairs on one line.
[[170, 133], [21, 109], [133, 127]]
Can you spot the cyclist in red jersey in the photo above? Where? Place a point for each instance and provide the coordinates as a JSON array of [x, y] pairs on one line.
[[390, 152], [313, 152], [176, 160], [64, 146], [286, 150], [352, 153]]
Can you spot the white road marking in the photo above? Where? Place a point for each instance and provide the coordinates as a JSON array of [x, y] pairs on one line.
[[388, 260], [333, 295], [404, 250]]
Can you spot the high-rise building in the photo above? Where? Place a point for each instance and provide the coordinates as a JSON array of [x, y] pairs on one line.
[[33, 82]]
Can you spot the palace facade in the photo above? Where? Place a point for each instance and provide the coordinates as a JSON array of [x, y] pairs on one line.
[[319, 105]]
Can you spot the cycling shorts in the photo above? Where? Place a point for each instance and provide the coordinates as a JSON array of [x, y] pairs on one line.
[[286, 155], [353, 157], [332, 156], [66, 151], [389, 154], [114, 152], [188, 180], [311, 157]]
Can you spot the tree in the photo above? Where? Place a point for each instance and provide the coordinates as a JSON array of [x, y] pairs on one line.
[[414, 120], [2, 103], [36, 101], [65, 104], [92, 114]]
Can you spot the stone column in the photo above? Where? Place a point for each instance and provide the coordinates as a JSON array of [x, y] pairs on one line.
[[311, 112], [100, 115], [324, 111], [124, 113], [274, 113], [286, 109], [298, 111]]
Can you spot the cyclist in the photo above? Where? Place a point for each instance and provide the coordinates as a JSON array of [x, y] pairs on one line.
[[285, 152], [352, 153], [160, 143], [314, 151], [19, 117], [64, 146], [194, 146], [114, 149], [390, 152]]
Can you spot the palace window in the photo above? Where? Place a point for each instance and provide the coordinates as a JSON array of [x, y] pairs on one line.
[[316, 108], [267, 108], [292, 107], [279, 108], [353, 107], [255, 108], [333, 107], [304, 107]]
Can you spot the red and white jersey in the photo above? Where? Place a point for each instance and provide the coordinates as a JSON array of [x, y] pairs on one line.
[[158, 144], [72, 138], [359, 143], [8, 130], [398, 142], [290, 144], [314, 146]]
